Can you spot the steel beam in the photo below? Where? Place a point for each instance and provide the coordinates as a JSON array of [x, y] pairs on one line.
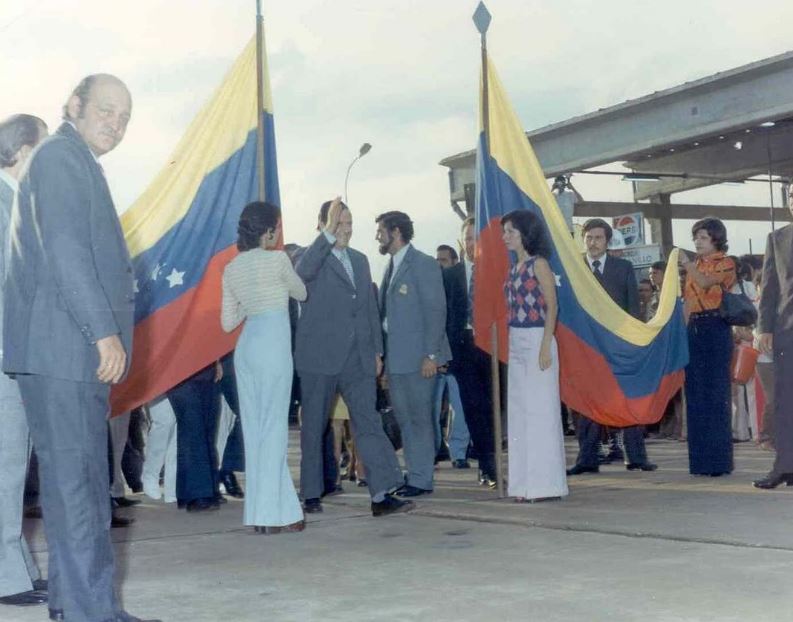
[[644, 128], [675, 211]]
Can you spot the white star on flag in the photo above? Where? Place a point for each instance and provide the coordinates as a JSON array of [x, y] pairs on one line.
[[175, 278], [558, 278], [155, 274]]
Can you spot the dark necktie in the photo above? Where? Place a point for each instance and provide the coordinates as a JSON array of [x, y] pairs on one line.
[[471, 297], [386, 283], [596, 270]]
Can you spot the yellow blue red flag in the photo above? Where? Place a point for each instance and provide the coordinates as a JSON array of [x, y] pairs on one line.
[[614, 368], [182, 230]]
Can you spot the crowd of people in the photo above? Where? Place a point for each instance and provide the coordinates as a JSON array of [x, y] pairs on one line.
[[393, 364]]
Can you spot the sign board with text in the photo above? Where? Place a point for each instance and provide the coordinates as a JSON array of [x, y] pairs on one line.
[[640, 256]]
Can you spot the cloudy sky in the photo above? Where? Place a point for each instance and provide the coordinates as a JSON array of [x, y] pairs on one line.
[[400, 74]]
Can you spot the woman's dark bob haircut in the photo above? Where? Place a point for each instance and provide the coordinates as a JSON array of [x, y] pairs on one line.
[[257, 219], [532, 232], [715, 229]]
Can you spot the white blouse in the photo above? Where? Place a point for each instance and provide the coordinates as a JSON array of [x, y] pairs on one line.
[[255, 281]]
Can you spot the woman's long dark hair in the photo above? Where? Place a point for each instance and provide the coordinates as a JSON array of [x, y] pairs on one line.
[[532, 232], [256, 219]]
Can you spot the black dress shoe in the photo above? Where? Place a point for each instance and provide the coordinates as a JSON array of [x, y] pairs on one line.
[[135, 487], [772, 480], [362, 483], [578, 470], [412, 491], [123, 502], [56, 614], [391, 505], [40, 585], [25, 599], [647, 466], [460, 464], [312, 506], [205, 504], [117, 522], [488, 480], [232, 486]]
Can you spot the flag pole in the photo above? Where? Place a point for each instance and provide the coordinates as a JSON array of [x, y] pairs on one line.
[[482, 21], [260, 99]]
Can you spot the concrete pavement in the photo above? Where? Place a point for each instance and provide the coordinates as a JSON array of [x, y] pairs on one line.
[[623, 546]]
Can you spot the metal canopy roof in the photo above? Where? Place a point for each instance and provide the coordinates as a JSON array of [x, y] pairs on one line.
[[687, 130]]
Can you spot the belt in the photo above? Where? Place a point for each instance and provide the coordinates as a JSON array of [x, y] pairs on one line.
[[704, 314]]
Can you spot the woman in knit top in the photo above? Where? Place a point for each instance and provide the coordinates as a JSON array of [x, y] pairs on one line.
[[257, 285]]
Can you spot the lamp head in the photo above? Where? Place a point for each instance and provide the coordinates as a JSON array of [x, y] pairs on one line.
[[365, 148]]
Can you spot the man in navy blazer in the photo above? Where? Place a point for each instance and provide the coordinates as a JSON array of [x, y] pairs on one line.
[[618, 279], [338, 349], [470, 365], [67, 336], [413, 309]]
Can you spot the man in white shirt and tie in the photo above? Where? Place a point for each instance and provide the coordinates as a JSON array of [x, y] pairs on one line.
[[618, 279], [338, 350], [470, 365], [413, 308]]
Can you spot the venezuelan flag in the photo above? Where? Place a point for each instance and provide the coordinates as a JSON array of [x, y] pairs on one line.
[[614, 368], [182, 232]]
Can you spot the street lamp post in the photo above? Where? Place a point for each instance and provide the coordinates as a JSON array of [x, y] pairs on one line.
[[365, 148]]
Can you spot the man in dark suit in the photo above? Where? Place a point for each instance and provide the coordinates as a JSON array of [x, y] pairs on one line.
[[775, 325], [413, 308], [338, 349], [470, 365], [67, 337], [19, 574], [330, 468], [617, 278]]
